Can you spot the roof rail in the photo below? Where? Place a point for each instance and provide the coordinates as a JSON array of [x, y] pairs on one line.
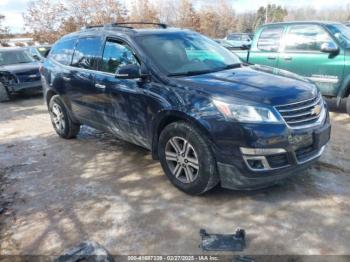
[[124, 24], [90, 27]]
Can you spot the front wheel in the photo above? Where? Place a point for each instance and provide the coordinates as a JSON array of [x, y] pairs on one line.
[[187, 159], [60, 119]]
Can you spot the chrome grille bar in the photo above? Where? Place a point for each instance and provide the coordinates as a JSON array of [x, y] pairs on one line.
[[303, 113]]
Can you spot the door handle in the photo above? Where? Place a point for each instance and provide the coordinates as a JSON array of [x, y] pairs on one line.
[[271, 57], [100, 86], [66, 78], [287, 58]]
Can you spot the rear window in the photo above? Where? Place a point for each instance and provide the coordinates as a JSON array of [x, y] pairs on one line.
[[270, 39], [234, 37], [86, 53], [62, 51]]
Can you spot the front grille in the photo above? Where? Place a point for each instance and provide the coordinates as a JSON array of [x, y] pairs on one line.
[[279, 160], [302, 113], [305, 153], [28, 76]]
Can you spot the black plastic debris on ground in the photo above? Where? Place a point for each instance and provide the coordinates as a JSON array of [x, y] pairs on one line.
[[88, 252], [223, 242]]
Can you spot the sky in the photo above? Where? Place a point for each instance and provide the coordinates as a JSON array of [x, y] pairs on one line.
[[13, 9]]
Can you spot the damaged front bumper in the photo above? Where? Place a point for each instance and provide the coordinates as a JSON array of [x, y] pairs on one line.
[[259, 167], [18, 87]]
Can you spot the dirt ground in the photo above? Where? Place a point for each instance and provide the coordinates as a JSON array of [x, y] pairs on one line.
[[57, 193]]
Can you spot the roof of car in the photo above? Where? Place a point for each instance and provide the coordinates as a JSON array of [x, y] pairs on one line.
[[304, 22], [121, 30]]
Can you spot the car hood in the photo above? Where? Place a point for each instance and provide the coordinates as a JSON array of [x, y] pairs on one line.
[[21, 68], [260, 84]]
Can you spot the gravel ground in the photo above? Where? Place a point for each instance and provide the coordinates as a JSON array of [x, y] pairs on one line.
[[57, 193]]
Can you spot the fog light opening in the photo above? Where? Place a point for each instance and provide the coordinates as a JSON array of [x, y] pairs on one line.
[[255, 164]]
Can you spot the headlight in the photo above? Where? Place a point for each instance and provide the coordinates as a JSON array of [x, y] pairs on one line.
[[246, 113]]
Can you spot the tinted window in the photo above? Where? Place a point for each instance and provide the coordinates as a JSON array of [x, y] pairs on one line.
[[62, 51], [306, 38], [86, 53], [116, 55], [270, 39]]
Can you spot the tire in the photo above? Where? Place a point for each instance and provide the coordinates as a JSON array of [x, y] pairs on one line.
[[61, 120], [192, 176], [4, 94], [348, 105]]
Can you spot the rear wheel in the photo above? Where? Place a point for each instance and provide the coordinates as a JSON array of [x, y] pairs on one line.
[[60, 119], [186, 158], [4, 94]]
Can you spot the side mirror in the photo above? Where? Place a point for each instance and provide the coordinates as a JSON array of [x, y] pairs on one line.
[[329, 47], [128, 72]]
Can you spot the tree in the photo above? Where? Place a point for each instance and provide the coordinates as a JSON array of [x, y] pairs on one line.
[[226, 18], [95, 12], [246, 22], [271, 13], [187, 17], [44, 18], [144, 11], [4, 30]]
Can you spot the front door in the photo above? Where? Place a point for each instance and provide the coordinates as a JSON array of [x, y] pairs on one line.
[[265, 51], [302, 54], [125, 109]]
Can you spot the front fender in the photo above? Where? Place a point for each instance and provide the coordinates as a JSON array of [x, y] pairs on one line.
[[344, 87], [167, 117]]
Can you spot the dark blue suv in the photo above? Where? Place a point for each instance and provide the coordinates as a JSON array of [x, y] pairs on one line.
[[207, 117]]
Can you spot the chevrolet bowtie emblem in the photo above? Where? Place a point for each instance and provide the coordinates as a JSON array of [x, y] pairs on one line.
[[316, 110]]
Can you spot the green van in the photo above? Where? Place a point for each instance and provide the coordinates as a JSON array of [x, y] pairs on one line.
[[319, 51]]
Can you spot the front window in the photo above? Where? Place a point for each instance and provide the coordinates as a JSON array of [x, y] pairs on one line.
[[306, 38], [187, 53], [341, 33], [115, 55], [15, 57]]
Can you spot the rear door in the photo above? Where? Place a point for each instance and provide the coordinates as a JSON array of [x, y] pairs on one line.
[[265, 50], [87, 99], [302, 54]]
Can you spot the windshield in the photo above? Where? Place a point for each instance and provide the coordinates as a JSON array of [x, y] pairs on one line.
[[14, 57], [187, 53], [342, 33]]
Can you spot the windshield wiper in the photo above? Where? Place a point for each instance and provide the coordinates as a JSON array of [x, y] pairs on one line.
[[200, 72], [191, 73]]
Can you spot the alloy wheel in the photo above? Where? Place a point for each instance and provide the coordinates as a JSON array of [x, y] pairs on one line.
[[182, 159], [58, 117]]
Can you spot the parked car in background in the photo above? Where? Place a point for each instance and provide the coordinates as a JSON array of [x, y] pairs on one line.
[[239, 40], [39, 52], [208, 117], [319, 51], [225, 44], [19, 72]]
